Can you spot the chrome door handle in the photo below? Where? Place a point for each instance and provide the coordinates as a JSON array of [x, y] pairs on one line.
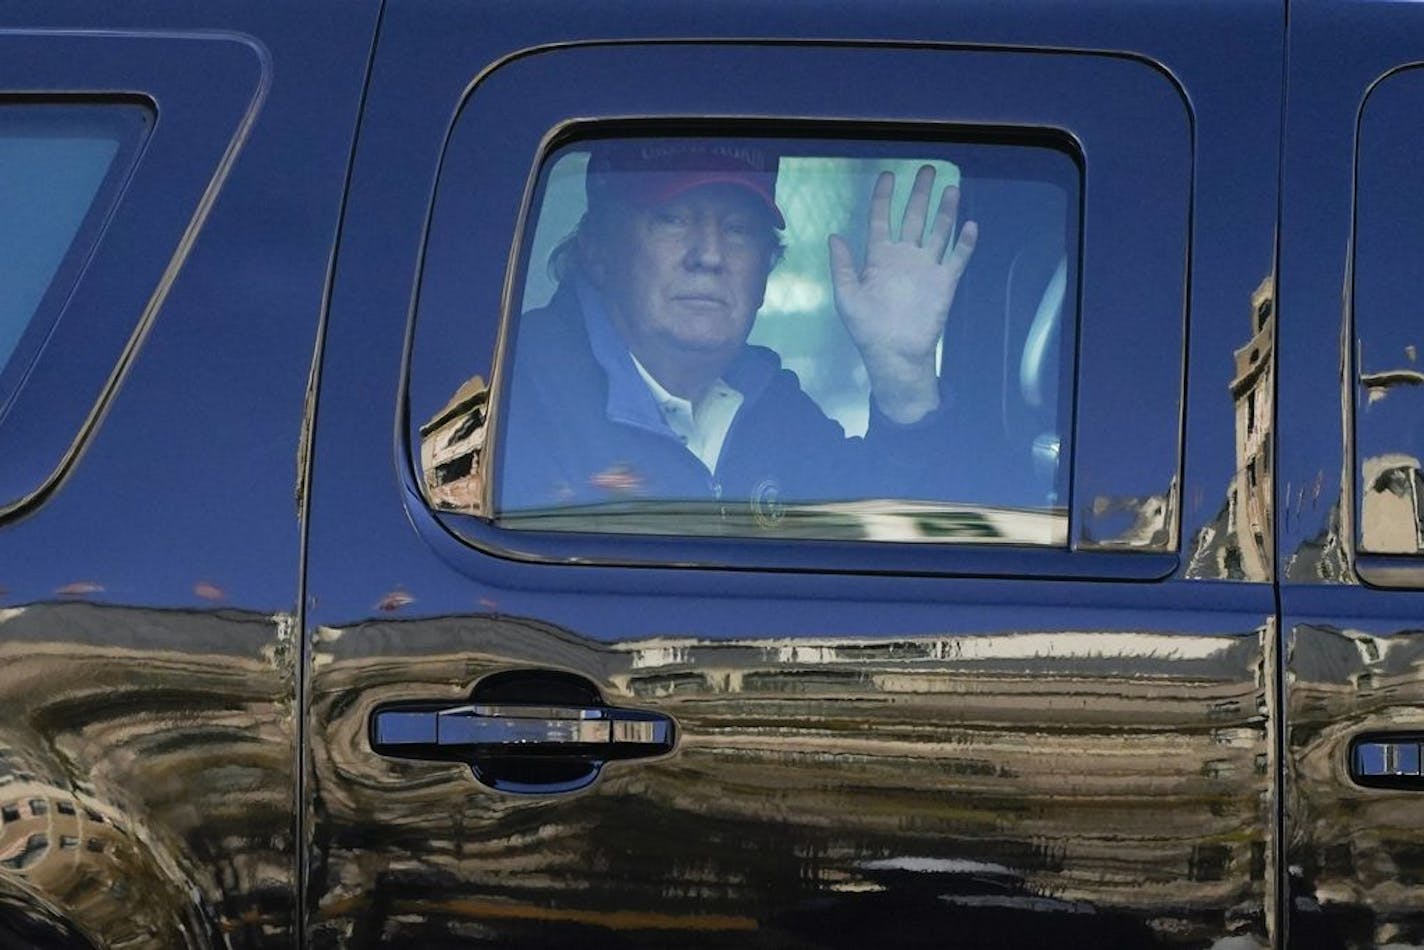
[[530, 748], [510, 729], [1388, 760]]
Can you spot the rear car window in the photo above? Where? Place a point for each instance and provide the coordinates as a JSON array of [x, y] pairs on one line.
[[61, 165], [785, 338], [1389, 330]]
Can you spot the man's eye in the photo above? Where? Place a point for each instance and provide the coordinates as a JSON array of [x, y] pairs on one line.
[[670, 217]]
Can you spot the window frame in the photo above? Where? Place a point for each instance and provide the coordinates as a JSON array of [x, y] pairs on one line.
[[1099, 135], [102, 204], [1404, 570], [144, 238]]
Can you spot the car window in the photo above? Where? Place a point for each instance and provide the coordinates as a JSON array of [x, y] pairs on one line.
[[59, 169], [1389, 331], [788, 338], [1043, 453]]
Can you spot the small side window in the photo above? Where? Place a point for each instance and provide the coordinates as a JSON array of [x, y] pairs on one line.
[[784, 338], [61, 166], [1389, 334]]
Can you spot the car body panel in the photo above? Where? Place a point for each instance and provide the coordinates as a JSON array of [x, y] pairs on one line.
[[1351, 622]]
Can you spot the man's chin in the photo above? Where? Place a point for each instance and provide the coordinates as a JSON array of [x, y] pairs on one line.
[[708, 346]]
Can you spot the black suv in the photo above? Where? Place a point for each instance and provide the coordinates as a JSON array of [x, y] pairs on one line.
[[778, 475]]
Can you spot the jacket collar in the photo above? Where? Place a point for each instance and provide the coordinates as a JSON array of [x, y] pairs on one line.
[[629, 399]]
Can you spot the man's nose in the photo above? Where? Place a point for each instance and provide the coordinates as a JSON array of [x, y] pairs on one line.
[[707, 250]]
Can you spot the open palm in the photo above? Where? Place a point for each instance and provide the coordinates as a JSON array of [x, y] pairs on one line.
[[895, 306]]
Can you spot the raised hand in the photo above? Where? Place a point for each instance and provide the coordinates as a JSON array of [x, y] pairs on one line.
[[895, 306]]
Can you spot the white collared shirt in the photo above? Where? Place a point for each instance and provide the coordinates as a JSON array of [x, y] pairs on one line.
[[702, 426]]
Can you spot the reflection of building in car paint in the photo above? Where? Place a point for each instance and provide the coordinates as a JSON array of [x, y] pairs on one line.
[[1391, 488], [1323, 557], [1237, 544], [450, 447], [1366, 847], [1120, 770], [127, 817], [1377, 385], [75, 851], [39, 824], [1252, 389], [1133, 522], [1392, 505]]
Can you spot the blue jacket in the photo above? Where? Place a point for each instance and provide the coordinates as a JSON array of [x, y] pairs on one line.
[[583, 428]]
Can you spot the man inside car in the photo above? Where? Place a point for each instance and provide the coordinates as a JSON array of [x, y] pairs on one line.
[[637, 381]]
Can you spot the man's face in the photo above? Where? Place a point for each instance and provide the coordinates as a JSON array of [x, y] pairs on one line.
[[686, 277]]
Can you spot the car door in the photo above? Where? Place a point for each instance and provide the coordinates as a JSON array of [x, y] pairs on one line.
[[1035, 707], [1349, 489]]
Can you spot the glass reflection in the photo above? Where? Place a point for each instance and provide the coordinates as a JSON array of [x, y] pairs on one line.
[[1389, 388], [736, 336]]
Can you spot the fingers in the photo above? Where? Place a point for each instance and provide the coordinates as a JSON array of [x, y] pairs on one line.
[[844, 276], [912, 228], [963, 248], [942, 230], [880, 208]]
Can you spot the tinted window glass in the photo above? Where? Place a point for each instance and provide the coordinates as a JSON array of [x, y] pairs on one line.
[[784, 338], [59, 170], [1389, 330]]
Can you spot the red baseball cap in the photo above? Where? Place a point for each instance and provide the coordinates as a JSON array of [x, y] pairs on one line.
[[651, 171]]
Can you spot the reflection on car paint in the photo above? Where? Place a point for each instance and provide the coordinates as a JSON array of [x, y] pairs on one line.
[[146, 772], [1325, 557], [452, 457], [1237, 543], [1143, 523], [1116, 779], [1391, 482], [1356, 855]]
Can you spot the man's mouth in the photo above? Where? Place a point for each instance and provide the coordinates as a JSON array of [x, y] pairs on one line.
[[700, 301]]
